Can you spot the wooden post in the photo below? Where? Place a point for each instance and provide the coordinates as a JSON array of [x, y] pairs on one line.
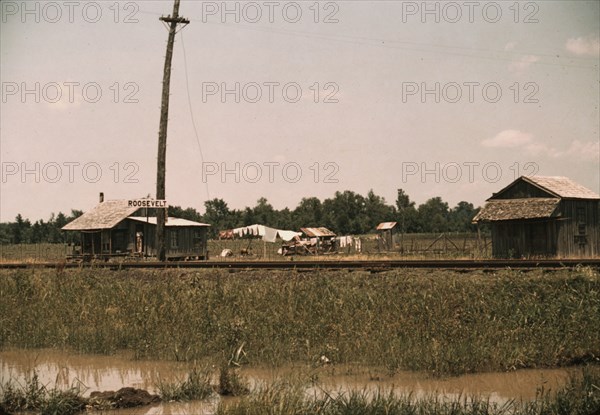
[[173, 21], [479, 240]]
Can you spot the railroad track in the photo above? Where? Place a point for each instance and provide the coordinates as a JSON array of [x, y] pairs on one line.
[[324, 264]]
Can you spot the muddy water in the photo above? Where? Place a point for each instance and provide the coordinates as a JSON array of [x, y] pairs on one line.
[[92, 372]]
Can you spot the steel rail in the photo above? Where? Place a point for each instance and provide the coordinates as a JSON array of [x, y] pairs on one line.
[[472, 264]]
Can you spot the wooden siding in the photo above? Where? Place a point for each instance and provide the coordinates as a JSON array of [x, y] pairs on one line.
[[579, 228], [386, 240], [180, 241], [187, 241], [527, 238], [574, 234], [521, 190]]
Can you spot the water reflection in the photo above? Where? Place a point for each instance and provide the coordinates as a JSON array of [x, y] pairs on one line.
[[96, 372]]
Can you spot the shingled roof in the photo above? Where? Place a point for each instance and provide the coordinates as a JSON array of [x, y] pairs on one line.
[[514, 209], [104, 216], [562, 187]]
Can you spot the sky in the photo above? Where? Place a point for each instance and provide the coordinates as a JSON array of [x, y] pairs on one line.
[[285, 100]]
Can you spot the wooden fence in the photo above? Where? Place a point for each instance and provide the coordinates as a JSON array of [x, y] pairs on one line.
[[445, 245]]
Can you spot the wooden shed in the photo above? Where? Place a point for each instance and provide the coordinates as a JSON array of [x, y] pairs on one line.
[[113, 229], [543, 217], [386, 236], [321, 238]]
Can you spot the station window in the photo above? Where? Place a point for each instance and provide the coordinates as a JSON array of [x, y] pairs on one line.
[[174, 240]]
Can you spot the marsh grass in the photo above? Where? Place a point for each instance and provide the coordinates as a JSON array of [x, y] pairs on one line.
[[196, 386], [439, 321], [32, 396], [231, 383], [580, 397]]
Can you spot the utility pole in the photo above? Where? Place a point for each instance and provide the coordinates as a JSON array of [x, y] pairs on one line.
[[161, 214]]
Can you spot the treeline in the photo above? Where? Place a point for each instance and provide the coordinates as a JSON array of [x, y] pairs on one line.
[[346, 213], [22, 231]]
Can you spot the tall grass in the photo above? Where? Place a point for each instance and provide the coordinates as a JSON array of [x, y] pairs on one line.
[[33, 252], [231, 383], [580, 397], [196, 387], [37, 398], [443, 322]]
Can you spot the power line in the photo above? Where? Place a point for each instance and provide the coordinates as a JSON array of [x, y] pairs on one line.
[[510, 56], [189, 99]]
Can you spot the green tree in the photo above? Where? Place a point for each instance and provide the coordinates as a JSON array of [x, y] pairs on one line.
[[217, 215], [21, 230], [461, 216], [345, 213], [187, 213], [377, 210], [263, 213], [434, 215], [406, 213], [308, 213], [74, 214]]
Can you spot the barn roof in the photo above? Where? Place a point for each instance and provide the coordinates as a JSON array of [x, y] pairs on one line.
[[170, 222], [557, 186], [384, 226], [564, 187], [514, 209], [104, 216], [317, 232]]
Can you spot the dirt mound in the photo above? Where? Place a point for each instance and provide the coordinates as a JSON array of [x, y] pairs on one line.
[[123, 398]]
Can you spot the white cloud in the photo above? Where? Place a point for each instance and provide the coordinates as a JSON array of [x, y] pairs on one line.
[[522, 64], [582, 151], [508, 139], [542, 150], [589, 150], [515, 139], [584, 46]]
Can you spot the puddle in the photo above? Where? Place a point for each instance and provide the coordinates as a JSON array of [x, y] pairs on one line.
[[97, 372]]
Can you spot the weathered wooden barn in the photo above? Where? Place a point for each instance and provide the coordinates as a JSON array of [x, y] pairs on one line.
[[543, 217], [113, 229]]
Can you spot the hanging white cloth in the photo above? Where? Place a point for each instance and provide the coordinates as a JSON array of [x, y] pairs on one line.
[[288, 235], [345, 241], [357, 245], [270, 234]]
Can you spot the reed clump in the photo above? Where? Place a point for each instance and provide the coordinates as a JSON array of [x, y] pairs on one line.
[[32, 396], [195, 387], [439, 321], [231, 383]]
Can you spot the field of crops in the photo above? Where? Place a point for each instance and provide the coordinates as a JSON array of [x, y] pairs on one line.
[[442, 322]]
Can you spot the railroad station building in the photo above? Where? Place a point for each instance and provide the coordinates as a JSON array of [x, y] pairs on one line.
[[114, 228], [536, 217]]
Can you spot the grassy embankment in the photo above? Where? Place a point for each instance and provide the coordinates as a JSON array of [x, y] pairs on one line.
[[442, 322]]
